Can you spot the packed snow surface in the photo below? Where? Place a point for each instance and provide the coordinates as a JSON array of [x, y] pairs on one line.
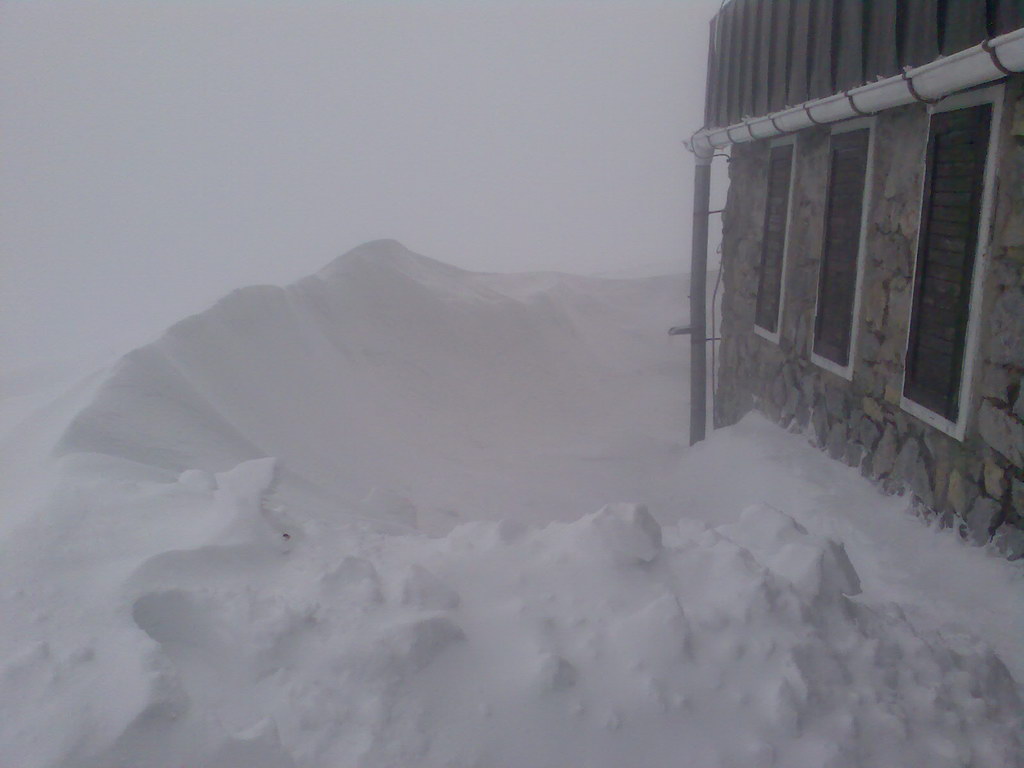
[[398, 514]]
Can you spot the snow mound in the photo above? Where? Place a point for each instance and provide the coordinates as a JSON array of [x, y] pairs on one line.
[[351, 522], [607, 641]]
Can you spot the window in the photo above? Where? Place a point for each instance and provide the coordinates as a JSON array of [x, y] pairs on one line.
[[952, 240], [767, 317], [839, 272]]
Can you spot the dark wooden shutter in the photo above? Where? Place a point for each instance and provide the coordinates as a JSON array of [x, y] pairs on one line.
[[837, 276], [951, 208], [776, 214]]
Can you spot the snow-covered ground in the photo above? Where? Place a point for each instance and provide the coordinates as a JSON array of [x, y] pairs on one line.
[[399, 514]]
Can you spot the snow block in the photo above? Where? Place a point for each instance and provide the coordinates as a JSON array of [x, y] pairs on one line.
[[258, 746], [387, 505], [355, 578], [628, 531], [815, 565], [198, 480], [555, 673], [423, 589], [420, 641]]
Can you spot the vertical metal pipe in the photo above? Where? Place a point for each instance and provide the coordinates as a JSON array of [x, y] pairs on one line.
[[698, 296]]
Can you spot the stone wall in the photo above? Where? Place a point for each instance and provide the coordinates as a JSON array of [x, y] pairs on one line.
[[975, 485]]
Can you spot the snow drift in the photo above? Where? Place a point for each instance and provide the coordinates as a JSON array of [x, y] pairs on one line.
[[390, 370], [228, 566]]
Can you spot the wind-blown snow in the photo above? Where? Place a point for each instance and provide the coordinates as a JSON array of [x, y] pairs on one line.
[[223, 563], [387, 368]]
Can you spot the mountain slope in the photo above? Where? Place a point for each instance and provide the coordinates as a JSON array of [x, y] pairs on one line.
[[391, 370]]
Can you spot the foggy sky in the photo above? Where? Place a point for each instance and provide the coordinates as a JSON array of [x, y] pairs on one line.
[[156, 154]]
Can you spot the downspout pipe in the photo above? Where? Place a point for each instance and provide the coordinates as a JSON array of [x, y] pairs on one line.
[[698, 297], [983, 63]]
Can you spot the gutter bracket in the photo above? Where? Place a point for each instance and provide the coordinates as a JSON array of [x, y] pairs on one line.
[[854, 107], [913, 91], [961, 70], [986, 46], [807, 111]]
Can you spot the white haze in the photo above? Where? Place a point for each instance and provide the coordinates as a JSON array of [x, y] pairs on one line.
[[158, 154], [402, 514]]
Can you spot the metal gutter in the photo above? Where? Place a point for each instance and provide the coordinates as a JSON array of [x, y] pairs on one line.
[[983, 63]]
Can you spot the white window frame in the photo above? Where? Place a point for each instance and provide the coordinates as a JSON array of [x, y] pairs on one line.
[[992, 95], [846, 371], [764, 333]]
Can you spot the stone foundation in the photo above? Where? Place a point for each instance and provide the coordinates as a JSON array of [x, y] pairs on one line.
[[975, 485]]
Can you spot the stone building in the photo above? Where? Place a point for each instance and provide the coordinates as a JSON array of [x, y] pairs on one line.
[[873, 241]]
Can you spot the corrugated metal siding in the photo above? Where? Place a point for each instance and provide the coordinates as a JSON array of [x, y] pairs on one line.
[[849, 44], [711, 94], [800, 53], [781, 54], [823, 31], [963, 23], [762, 91], [769, 54], [882, 59], [923, 47], [1009, 15]]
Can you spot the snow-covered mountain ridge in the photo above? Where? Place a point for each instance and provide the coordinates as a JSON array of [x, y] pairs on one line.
[[389, 369]]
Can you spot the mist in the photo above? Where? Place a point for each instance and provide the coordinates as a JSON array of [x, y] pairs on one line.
[[158, 155]]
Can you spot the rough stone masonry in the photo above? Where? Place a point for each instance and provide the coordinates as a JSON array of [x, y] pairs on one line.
[[975, 485]]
